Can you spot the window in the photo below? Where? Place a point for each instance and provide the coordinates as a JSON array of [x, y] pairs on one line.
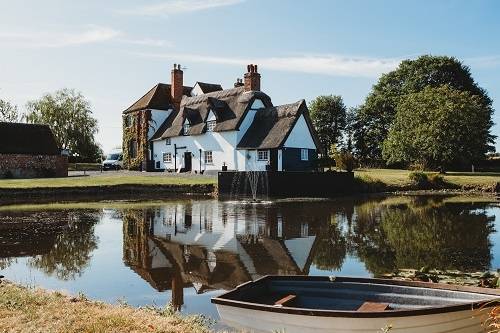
[[129, 121], [304, 155], [263, 155], [132, 148], [167, 141], [208, 157], [167, 157], [186, 128], [211, 125]]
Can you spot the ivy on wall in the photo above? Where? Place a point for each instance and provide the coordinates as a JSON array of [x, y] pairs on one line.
[[137, 130]]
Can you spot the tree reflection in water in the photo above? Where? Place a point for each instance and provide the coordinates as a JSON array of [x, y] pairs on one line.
[[210, 245], [419, 234], [72, 248]]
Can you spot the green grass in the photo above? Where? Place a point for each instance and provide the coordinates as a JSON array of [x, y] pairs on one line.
[[395, 177], [107, 180]]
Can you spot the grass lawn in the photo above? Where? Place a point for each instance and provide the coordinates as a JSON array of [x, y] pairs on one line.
[[108, 179], [29, 310], [400, 177]]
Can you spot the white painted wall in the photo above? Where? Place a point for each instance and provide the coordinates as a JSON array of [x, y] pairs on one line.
[[247, 121], [157, 118], [222, 145], [211, 116], [196, 90], [300, 137], [252, 163]]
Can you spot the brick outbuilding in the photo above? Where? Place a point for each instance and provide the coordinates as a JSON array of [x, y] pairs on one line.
[[30, 151]]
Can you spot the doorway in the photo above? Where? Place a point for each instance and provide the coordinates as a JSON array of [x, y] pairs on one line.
[[187, 161]]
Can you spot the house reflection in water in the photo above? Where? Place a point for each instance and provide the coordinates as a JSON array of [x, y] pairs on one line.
[[214, 246]]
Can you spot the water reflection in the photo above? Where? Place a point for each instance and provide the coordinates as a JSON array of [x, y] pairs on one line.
[[187, 247]]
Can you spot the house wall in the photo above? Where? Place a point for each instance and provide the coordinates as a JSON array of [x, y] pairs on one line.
[[157, 119], [300, 137], [33, 166], [292, 160], [221, 144]]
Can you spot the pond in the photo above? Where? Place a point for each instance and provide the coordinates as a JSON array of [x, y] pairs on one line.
[[184, 252]]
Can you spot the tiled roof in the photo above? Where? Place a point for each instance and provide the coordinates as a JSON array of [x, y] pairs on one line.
[[157, 98]]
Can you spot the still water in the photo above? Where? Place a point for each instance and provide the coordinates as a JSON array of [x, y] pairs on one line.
[[185, 252]]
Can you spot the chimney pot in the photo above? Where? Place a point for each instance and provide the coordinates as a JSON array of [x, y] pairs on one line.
[[252, 79]]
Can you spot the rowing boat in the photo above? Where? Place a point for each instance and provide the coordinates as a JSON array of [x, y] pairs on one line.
[[306, 304]]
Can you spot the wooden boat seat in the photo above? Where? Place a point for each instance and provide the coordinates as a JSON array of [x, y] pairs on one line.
[[373, 307], [286, 301]]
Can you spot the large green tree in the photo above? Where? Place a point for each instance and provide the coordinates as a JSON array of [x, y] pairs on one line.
[[377, 114], [328, 114], [9, 112], [69, 115], [439, 128]]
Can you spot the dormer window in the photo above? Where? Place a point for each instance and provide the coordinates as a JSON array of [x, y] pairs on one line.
[[211, 121], [186, 127], [211, 125]]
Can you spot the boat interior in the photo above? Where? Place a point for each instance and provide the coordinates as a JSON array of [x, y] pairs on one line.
[[350, 296]]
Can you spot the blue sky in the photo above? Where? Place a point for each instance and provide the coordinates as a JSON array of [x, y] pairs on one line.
[[114, 51]]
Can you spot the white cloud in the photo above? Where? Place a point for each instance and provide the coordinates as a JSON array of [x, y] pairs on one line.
[[148, 42], [179, 6], [483, 62], [92, 34], [328, 64]]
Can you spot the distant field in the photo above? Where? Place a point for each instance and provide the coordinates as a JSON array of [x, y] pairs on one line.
[[400, 177], [108, 179]]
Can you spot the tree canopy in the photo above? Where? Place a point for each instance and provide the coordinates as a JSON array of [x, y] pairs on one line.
[[439, 127], [377, 114], [69, 115], [328, 114], [9, 112]]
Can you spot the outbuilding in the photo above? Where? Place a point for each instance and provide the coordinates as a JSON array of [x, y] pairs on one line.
[[30, 151]]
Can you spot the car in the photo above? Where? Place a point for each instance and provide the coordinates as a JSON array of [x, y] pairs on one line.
[[113, 161]]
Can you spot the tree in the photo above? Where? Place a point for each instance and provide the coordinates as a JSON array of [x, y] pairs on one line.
[[328, 114], [68, 114], [439, 128], [9, 112], [377, 114]]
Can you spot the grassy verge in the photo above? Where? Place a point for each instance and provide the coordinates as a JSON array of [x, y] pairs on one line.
[[107, 180], [32, 310], [84, 166], [399, 179]]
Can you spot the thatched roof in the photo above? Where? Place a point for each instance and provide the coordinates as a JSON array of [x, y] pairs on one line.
[[229, 106], [30, 139], [272, 126]]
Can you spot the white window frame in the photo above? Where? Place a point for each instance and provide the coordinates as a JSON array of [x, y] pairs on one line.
[[168, 142], [208, 157], [304, 154], [262, 155], [167, 158], [186, 127], [211, 125]]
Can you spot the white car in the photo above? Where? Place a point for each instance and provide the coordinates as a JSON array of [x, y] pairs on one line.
[[113, 161]]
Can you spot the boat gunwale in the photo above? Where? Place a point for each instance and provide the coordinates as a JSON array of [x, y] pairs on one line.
[[474, 305]]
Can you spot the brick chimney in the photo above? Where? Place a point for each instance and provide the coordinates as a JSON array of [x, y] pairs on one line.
[[177, 87], [252, 78], [238, 83]]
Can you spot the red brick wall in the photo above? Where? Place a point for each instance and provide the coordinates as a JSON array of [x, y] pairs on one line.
[[33, 166]]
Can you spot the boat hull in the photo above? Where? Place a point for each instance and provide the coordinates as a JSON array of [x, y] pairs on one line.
[[466, 321]]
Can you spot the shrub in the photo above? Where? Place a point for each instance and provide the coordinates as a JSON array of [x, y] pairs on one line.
[[345, 161], [419, 178]]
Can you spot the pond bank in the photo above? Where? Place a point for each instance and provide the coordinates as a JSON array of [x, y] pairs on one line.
[[103, 192], [26, 310], [34, 310]]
